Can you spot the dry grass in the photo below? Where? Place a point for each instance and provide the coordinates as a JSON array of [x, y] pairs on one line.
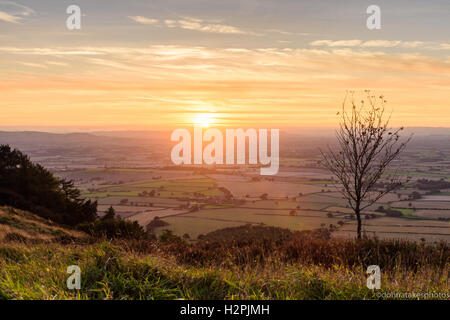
[[129, 271], [247, 262], [19, 224]]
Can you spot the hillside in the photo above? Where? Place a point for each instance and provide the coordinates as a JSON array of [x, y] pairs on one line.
[[20, 225], [267, 263]]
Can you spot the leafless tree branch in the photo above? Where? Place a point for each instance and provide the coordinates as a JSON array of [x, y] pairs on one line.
[[366, 147]]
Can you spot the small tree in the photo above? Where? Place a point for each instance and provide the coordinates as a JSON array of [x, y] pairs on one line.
[[110, 214], [366, 146]]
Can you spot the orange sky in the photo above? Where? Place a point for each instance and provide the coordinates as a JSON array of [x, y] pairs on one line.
[[254, 78], [166, 87]]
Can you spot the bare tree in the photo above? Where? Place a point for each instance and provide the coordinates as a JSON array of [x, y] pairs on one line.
[[366, 146]]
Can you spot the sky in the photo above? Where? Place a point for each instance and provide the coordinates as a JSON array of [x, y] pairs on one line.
[[142, 65]]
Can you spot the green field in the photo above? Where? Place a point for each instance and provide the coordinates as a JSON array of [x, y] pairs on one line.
[[304, 206], [204, 221], [180, 188]]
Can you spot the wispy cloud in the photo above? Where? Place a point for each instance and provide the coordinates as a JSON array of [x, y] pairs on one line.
[[338, 43], [57, 63], [197, 25], [4, 16], [14, 13], [144, 20], [445, 46], [50, 51], [301, 84], [367, 44], [171, 23], [279, 31], [194, 24], [209, 63], [34, 65], [394, 43], [287, 33]]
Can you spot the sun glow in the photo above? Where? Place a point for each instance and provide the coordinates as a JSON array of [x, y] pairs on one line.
[[204, 120]]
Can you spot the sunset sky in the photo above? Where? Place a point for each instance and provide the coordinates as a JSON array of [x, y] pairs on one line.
[[258, 63]]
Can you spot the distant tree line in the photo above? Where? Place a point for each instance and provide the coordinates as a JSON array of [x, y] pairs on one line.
[[432, 185], [389, 211]]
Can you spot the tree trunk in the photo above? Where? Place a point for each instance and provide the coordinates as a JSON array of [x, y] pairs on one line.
[[358, 217]]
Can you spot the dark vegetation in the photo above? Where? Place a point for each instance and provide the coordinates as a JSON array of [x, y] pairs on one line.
[[29, 186], [111, 227], [258, 245], [432, 185], [389, 211], [415, 196], [155, 223]]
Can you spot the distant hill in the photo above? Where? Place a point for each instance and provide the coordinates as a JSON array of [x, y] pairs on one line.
[[429, 131], [56, 139]]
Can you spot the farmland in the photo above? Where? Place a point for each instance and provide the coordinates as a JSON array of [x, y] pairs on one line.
[[136, 177], [254, 232], [193, 204]]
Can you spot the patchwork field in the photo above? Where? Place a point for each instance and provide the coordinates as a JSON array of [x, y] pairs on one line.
[[275, 189], [144, 218], [206, 221], [192, 204], [422, 204], [441, 213]]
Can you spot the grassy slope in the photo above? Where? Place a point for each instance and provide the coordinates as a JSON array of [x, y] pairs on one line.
[[18, 224], [108, 272], [38, 271]]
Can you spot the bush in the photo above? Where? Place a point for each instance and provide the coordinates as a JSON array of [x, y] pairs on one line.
[[415, 195], [155, 223], [110, 214], [168, 237], [262, 245], [425, 184], [113, 229], [390, 212]]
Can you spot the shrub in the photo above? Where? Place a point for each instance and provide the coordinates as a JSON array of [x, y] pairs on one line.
[[263, 245], [110, 214], [113, 229], [390, 212], [168, 237], [155, 223]]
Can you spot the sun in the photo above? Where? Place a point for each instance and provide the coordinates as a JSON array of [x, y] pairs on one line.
[[203, 120]]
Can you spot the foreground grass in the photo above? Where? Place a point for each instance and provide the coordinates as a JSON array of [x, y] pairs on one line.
[[112, 272]]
